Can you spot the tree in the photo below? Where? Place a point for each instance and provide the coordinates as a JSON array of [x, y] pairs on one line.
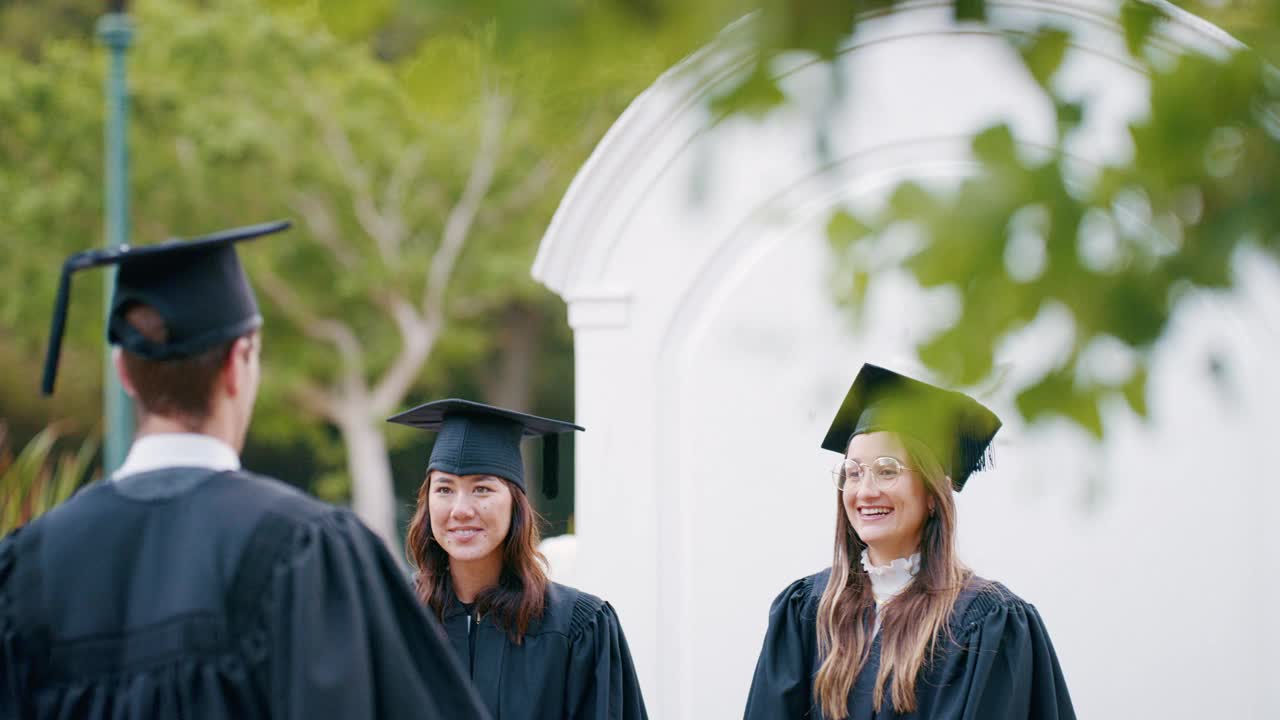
[[420, 188]]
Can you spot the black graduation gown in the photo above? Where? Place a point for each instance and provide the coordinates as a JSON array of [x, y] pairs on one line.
[[188, 593], [573, 664], [1000, 665]]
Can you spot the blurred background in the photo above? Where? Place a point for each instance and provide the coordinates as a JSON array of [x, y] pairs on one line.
[[686, 225]]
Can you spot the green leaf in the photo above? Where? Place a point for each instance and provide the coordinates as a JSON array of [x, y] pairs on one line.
[[754, 95], [1056, 394], [995, 146], [1140, 19], [975, 10], [844, 230], [1043, 54], [1135, 391]]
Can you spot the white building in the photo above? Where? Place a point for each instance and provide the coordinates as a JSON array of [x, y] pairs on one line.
[[710, 358]]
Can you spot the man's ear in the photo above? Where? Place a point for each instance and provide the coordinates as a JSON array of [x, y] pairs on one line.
[[117, 360], [235, 366]]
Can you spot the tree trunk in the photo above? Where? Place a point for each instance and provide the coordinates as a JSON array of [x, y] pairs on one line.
[[372, 494], [510, 383]]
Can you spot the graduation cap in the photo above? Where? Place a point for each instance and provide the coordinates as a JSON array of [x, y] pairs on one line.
[[479, 439], [957, 428], [196, 285]]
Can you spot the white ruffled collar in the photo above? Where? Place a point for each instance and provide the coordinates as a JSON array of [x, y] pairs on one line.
[[889, 580]]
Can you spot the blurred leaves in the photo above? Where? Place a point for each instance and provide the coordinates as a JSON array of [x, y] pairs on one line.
[[40, 476], [1116, 253], [1139, 20]]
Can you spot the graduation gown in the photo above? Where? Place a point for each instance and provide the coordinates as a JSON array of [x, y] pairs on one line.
[[573, 664], [1001, 663], [192, 593]]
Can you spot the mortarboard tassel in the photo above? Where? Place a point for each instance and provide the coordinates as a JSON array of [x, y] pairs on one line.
[[972, 455], [55, 333]]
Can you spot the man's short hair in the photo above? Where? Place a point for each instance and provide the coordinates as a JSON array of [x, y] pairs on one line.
[[181, 388]]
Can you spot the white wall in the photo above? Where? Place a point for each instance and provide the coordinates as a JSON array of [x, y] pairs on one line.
[[710, 359]]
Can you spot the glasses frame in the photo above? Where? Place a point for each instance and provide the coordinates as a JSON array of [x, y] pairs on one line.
[[837, 471]]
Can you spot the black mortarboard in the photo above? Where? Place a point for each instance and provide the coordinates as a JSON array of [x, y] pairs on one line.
[[196, 285], [957, 428], [479, 439]]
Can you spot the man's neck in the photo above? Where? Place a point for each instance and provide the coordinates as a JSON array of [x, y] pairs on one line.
[[151, 424]]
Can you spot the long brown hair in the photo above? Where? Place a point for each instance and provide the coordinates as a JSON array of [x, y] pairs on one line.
[[519, 598], [910, 624]]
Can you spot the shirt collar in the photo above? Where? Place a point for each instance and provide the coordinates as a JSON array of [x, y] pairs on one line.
[[166, 450], [889, 580]]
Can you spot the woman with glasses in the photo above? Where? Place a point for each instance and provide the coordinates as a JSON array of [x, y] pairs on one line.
[[898, 626], [535, 650]]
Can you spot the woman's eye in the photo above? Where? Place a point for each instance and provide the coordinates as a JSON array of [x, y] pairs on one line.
[[443, 490], [482, 490], [888, 469]]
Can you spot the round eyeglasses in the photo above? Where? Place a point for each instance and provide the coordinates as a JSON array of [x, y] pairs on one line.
[[883, 471]]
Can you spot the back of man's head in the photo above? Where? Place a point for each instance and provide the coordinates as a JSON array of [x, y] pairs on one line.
[[180, 389]]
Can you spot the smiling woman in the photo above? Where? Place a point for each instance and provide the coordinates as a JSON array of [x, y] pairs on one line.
[[535, 649], [897, 625]]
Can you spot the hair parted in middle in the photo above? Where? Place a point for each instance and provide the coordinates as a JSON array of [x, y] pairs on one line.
[[519, 598], [911, 623]]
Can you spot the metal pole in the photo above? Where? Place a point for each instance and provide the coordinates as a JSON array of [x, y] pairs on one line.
[[115, 29]]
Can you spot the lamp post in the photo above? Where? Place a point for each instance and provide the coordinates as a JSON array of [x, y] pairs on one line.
[[115, 29]]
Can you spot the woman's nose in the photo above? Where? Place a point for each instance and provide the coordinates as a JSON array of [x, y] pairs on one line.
[[868, 490], [463, 508]]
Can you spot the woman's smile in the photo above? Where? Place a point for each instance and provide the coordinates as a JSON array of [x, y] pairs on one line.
[[464, 534], [874, 513]]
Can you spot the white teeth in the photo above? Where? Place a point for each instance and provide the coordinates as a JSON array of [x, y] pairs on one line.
[[875, 511]]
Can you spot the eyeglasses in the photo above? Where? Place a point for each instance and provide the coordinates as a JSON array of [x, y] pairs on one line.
[[883, 471]]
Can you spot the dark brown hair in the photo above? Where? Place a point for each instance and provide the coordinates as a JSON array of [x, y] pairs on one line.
[[911, 623], [519, 598], [180, 389]]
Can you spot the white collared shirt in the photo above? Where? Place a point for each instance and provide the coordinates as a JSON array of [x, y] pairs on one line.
[[889, 580], [165, 450]]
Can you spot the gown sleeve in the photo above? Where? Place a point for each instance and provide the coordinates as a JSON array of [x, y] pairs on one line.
[[602, 677], [781, 688], [10, 667], [1007, 668], [348, 639]]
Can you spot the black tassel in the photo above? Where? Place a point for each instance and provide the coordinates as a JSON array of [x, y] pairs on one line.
[[973, 454], [55, 333]]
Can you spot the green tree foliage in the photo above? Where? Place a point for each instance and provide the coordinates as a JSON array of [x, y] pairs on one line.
[[40, 476], [1119, 251], [420, 188]]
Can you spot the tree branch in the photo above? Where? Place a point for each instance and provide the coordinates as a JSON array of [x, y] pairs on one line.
[[420, 330], [317, 400], [411, 160], [418, 337], [323, 226], [387, 232], [531, 186], [319, 328], [462, 216]]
